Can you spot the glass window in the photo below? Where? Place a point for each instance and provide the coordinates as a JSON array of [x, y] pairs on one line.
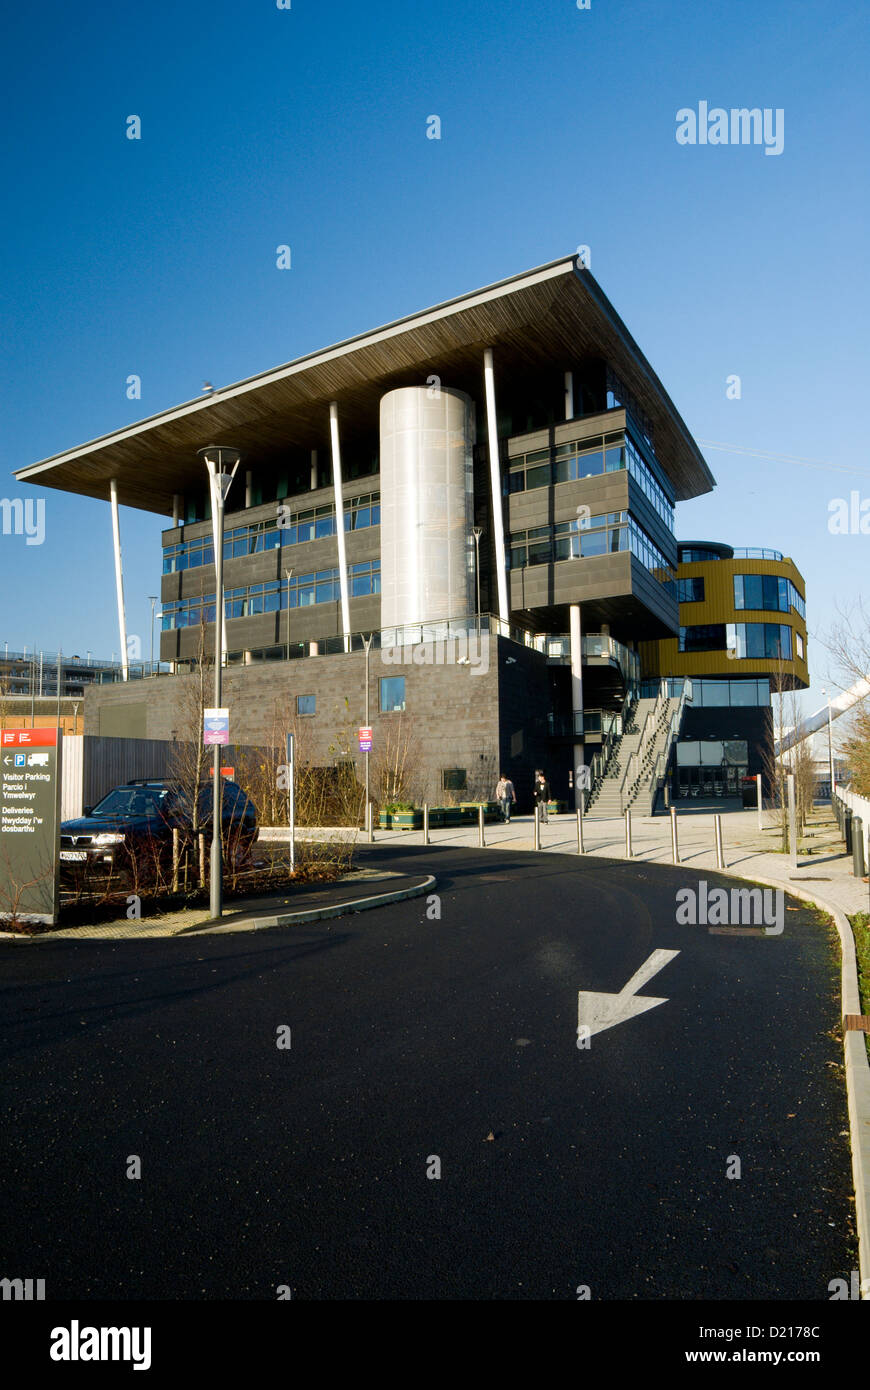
[[539, 552], [744, 693], [715, 693], [593, 543], [588, 465], [539, 476], [691, 591], [706, 637], [306, 704], [754, 640], [454, 779], [392, 694]]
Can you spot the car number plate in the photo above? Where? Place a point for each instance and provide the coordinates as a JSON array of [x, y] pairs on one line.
[[77, 854]]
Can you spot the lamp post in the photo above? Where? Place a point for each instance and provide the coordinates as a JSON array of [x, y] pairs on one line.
[[477, 532], [830, 745], [221, 463], [287, 575], [367, 643], [153, 600]]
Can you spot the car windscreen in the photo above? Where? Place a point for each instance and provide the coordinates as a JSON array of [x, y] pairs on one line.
[[128, 802]]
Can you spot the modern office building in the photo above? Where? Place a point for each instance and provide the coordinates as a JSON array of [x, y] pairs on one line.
[[743, 641], [488, 486]]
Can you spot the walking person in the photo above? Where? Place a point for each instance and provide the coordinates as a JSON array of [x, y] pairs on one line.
[[505, 796], [542, 794]]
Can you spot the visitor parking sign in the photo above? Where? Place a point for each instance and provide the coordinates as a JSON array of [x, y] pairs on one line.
[[30, 779]]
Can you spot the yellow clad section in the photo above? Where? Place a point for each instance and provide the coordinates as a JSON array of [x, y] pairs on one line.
[[665, 659]]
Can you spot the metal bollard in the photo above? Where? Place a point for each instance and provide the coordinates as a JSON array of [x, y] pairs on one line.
[[758, 799], [580, 849], [792, 821], [425, 823], [370, 822], [720, 856], [537, 840], [858, 868], [628, 832], [480, 838], [675, 846]]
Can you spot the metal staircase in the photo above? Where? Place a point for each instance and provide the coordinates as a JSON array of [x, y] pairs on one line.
[[636, 769]]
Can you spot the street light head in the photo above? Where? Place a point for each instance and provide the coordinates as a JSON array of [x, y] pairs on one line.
[[221, 462]]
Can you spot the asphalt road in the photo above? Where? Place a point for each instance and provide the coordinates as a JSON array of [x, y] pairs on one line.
[[414, 1038]]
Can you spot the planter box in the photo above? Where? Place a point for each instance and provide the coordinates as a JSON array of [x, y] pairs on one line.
[[447, 815], [491, 811], [401, 820], [556, 808]]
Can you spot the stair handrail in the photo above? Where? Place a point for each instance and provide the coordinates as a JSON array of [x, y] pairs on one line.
[[601, 758], [649, 734], [630, 775], [661, 768]]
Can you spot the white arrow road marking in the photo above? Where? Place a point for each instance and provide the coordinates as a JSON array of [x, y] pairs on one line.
[[596, 1012]]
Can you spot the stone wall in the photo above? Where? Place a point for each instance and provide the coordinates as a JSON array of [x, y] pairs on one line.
[[480, 710]]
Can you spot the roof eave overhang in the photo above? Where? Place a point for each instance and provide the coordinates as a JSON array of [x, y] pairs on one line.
[[154, 458]]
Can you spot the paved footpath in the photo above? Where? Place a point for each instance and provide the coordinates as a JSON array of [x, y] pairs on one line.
[[748, 851], [239, 913]]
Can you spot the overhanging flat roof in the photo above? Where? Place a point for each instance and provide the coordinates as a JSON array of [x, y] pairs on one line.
[[556, 313]]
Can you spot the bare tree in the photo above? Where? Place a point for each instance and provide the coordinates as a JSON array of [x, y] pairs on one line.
[[188, 762], [396, 763], [848, 643]]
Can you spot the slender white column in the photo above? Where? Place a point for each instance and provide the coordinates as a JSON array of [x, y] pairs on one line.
[[176, 508], [219, 617], [495, 487], [339, 522], [315, 476], [249, 488], [119, 575], [569, 395], [576, 692]]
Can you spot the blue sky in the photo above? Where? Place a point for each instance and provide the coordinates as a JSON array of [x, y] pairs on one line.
[[307, 127]]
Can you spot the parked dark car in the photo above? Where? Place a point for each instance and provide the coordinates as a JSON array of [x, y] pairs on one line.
[[128, 834]]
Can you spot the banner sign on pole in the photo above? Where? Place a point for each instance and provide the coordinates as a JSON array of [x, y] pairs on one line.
[[216, 726], [365, 740]]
